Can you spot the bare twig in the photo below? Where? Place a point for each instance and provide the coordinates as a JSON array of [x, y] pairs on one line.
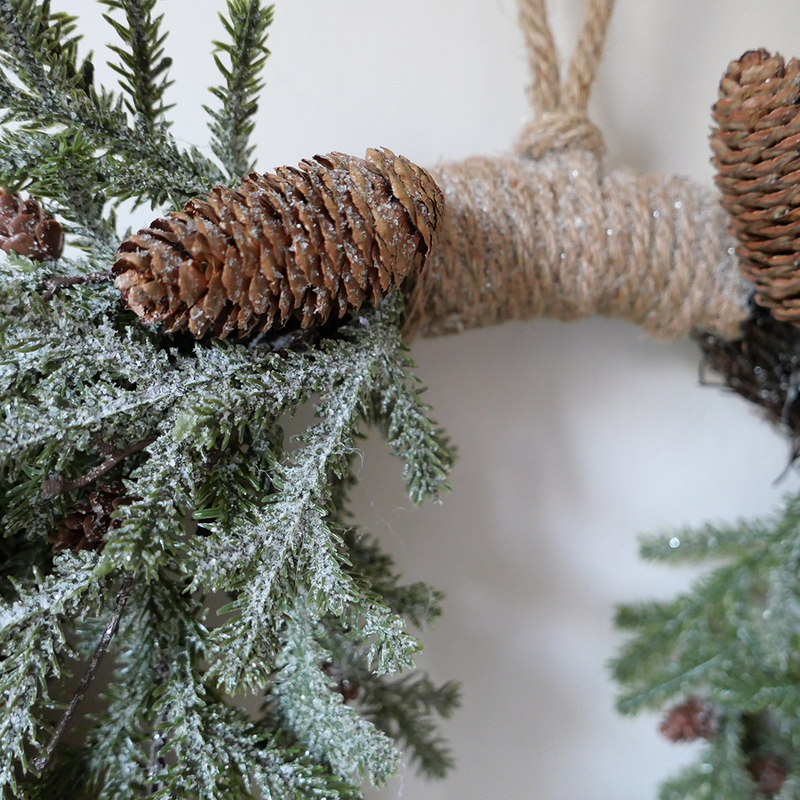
[[58, 282], [53, 487], [77, 697]]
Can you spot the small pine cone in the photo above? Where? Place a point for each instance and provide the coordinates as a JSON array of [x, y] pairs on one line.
[[757, 157], [85, 527], [694, 719], [345, 686], [27, 230], [769, 773], [304, 242]]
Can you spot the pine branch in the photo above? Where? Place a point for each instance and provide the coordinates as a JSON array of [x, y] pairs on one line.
[[143, 67], [232, 126], [142, 164], [418, 602], [404, 709], [734, 641], [410, 433], [201, 426], [302, 697], [33, 650], [80, 692], [291, 546]]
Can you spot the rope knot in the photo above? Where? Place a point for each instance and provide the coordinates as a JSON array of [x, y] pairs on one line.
[[559, 130]]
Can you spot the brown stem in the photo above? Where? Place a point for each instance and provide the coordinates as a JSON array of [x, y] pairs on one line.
[[58, 282], [53, 487], [108, 634]]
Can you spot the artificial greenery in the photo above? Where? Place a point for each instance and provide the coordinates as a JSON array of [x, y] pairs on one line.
[[734, 643], [232, 568]]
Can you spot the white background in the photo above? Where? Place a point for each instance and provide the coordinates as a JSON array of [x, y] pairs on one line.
[[572, 438]]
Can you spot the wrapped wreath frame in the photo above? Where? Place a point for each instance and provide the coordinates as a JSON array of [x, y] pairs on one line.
[[313, 621]]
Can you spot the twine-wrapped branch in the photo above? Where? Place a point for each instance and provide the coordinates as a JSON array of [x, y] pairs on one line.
[[551, 232], [548, 232]]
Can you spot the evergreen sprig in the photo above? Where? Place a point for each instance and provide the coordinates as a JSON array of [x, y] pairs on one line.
[[733, 641], [232, 125], [143, 66], [217, 503], [135, 160]]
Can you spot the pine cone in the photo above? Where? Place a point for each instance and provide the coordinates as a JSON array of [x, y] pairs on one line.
[[85, 527], [346, 687], [756, 155], [308, 242], [769, 773], [694, 719], [27, 230]]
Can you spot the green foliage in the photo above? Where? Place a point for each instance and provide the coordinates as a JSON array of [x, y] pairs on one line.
[[734, 640], [142, 66], [123, 158], [246, 51], [219, 505]]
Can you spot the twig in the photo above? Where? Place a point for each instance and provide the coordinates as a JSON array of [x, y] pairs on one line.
[[58, 282], [53, 487], [108, 634]]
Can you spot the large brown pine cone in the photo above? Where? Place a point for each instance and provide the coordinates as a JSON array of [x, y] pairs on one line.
[[27, 230], [756, 148], [306, 242]]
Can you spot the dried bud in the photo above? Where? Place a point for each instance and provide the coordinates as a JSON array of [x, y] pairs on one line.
[[346, 687]]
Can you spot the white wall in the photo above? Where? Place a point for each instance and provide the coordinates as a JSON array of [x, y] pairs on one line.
[[572, 438]]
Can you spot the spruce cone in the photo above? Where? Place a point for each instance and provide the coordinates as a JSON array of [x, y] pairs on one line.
[[85, 527], [756, 155], [308, 242], [694, 719], [27, 230]]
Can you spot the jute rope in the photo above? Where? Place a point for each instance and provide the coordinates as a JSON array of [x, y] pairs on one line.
[[549, 232]]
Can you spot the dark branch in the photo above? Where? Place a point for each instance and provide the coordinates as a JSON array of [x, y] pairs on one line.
[[58, 282], [53, 487], [108, 634]]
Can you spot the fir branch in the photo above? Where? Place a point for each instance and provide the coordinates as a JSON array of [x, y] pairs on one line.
[[55, 93], [80, 692], [232, 126], [302, 697], [33, 649], [143, 67], [292, 546], [404, 709]]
